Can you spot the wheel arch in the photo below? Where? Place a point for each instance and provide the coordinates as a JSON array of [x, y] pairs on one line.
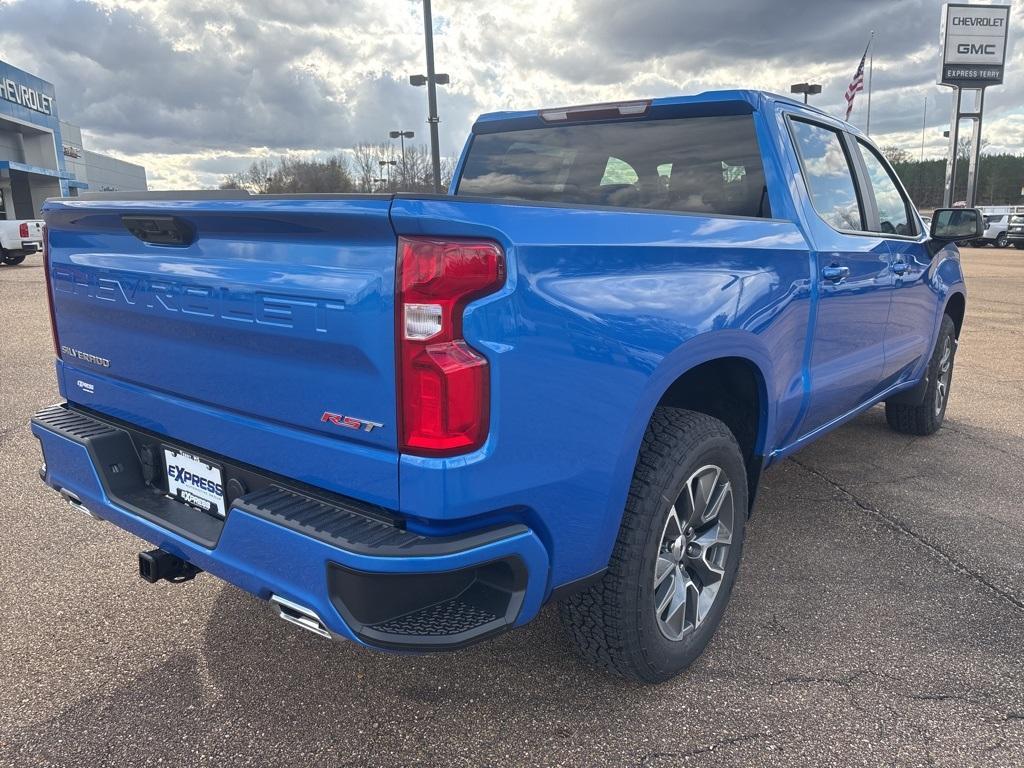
[[956, 306], [726, 374]]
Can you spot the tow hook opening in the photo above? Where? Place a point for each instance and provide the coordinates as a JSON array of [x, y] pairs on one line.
[[156, 564], [300, 616]]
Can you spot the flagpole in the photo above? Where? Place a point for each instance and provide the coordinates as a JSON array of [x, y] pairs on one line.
[[924, 124], [871, 71]]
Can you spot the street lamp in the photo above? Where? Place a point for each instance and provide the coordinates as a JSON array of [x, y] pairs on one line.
[[807, 89], [388, 164], [440, 78], [431, 80], [403, 135]]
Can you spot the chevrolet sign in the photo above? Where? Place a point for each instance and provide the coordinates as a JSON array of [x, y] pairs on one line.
[[974, 45], [25, 96]]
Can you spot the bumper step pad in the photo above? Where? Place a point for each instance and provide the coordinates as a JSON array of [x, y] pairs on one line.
[[344, 526], [451, 617]]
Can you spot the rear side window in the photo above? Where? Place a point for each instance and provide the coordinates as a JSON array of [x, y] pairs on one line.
[[709, 165], [827, 172], [893, 208]]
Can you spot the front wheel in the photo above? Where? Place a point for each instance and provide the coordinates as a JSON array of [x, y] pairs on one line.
[[676, 556], [1002, 241], [926, 418]]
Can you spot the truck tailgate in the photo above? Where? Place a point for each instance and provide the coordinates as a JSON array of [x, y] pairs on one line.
[[279, 315]]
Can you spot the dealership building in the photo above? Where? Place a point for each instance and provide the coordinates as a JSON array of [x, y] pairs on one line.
[[41, 156]]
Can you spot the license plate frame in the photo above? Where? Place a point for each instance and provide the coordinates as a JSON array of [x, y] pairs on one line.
[[195, 481]]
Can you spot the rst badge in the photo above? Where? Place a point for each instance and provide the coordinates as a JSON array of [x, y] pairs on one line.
[[340, 420]]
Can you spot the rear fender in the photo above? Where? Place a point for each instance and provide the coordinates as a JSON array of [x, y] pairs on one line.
[[698, 350]]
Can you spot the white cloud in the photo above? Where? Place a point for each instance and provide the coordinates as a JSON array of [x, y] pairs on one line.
[[193, 89]]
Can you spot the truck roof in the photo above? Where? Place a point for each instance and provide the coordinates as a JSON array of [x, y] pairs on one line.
[[735, 101]]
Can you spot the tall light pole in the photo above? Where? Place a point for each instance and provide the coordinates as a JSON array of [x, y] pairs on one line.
[[403, 135], [388, 164], [807, 89], [431, 80]]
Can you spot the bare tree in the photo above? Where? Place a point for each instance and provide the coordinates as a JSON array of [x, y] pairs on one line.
[[896, 154], [369, 163], [255, 179], [294, 175], [366, 168], [963, 147]]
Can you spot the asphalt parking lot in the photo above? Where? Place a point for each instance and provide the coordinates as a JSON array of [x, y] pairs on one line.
[[878, 620]]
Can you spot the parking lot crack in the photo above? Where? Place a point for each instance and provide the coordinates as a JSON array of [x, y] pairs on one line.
[[892, 521], [652, 757], [981, 441]]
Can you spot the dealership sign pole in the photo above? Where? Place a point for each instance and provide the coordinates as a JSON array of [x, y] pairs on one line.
[[973, 58]]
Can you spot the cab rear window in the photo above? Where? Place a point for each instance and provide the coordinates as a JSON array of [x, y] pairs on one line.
[[709, 165]]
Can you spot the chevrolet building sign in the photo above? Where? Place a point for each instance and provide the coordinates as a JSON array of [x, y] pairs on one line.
[[974, 45], [27, 97]]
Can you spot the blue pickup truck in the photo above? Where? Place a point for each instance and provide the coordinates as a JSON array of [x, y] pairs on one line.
[[412, 420]]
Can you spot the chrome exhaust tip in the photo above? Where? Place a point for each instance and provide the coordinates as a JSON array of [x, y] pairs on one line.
[[300, 616], [76, 503]]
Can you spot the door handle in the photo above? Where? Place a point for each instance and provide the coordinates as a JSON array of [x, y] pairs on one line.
[[900, 267], [835, 273]]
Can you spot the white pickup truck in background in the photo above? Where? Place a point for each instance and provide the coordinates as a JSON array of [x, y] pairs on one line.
[[19, 239], [997, 224]]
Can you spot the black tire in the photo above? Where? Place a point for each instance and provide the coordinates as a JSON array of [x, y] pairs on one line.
[[926, 418], [1002, 241], [12, 259], [615, 624]]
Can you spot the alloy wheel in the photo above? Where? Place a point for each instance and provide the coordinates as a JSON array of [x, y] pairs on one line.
[[945, 370], [695, 540]]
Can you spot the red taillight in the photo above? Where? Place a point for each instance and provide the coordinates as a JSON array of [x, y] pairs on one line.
[[444, 383], [23, 229], [49, 291]]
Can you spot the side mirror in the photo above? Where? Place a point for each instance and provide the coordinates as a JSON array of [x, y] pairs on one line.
[[951, 224]]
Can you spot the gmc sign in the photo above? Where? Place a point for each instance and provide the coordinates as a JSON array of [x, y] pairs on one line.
[[974, 49]]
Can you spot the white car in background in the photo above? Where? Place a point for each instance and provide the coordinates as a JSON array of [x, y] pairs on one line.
[[995, 230], [19, 239], [997, 224]]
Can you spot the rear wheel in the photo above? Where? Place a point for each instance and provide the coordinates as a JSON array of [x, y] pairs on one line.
[[926, 418], [1002, 241], [11, 259], [676, 556]]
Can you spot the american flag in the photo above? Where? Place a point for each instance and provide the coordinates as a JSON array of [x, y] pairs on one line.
[[857, 84]]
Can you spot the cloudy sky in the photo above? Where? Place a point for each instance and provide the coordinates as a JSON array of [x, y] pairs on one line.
[[194, 89]]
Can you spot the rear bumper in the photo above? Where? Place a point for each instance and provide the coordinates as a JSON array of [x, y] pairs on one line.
[[24, 247], [363, 576]]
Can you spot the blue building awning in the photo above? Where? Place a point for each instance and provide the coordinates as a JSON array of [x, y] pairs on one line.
[[9, 165]]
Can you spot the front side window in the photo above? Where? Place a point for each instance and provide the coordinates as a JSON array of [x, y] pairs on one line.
[[828, 175], [893, 209], [709, 165]]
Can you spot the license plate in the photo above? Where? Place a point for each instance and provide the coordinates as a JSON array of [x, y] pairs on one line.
[[195, 482]]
